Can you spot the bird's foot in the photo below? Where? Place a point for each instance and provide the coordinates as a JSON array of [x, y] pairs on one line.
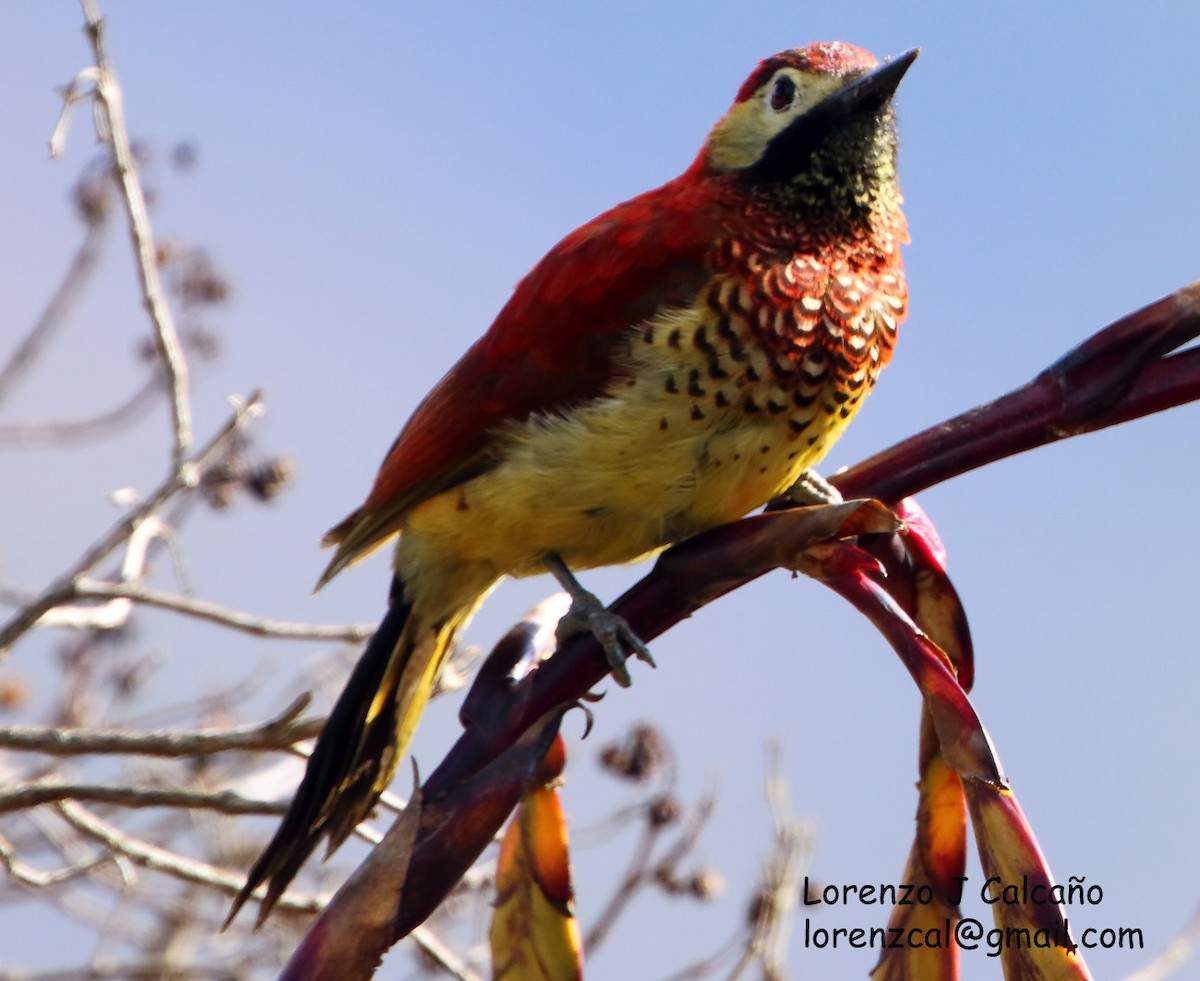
[[588, 615], [810, 488]]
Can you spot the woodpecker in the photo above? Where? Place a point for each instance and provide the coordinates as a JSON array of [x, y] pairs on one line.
[[671, 365]]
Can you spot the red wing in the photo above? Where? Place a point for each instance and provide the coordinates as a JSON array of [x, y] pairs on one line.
[[550, 347]]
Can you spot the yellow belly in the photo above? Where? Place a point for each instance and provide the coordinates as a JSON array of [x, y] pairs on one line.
[[686, 441]]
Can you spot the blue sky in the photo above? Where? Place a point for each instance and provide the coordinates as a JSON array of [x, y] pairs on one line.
[[376, 178]]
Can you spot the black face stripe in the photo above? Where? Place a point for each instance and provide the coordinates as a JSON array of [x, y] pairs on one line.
[[861, 106], [792, 151]]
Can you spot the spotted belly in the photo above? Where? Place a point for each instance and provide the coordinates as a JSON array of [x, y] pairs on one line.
[[703, 424]]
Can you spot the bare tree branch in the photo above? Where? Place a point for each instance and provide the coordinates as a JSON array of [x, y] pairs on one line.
[[33, 433], [68, 290], [775, 901], [215, 613], [115, 613], [20, 796], [642, 871], [160, 860], [147, 971], [31, 877], [108, 96], [190, 870], [278, 733], [63, 588], [1178, 952]]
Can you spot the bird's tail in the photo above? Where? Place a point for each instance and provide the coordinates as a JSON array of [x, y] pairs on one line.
[[356, 755]]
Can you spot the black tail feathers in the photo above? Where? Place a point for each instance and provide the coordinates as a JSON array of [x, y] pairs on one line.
[[351, 764]]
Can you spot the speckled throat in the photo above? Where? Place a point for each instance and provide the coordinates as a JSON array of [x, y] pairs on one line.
[[785, 337]]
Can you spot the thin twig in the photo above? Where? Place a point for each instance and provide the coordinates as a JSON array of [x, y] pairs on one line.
[[52, 316], [221, 701], [775, 899], [62, 589], [148, 971], [108, 96], [76, 90], [636, 875], [433, 947], [215, 613], [692, 829], [62, 432], [641, 871], [190, 870], [279, 733], [35, 879], [1178, 952], [160, 860], [22, 795], [115, 613]]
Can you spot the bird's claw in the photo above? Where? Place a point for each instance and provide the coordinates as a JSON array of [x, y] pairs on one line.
[[809, 488], [588, 615]]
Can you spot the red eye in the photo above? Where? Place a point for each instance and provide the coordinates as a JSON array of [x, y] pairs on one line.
[[782, 93]]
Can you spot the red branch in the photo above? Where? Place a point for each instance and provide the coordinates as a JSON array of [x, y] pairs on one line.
[[1124, 372]]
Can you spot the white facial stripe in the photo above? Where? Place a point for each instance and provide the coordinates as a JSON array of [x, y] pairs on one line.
[[742, 136], [810, 89]]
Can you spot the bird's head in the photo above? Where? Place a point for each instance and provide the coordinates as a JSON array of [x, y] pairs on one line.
[[812, 129]]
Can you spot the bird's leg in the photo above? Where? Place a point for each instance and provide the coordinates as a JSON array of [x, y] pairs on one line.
[[588, 615], [810, 488]]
